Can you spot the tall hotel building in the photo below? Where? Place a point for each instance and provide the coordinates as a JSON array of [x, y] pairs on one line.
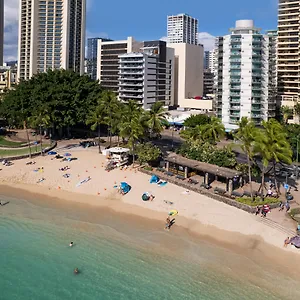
[[288, 52], [245, 75], [147, 76], [182, 28], [1, 30], [51, 36]]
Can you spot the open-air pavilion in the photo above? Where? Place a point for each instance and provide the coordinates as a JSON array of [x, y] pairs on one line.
[[187, 168]]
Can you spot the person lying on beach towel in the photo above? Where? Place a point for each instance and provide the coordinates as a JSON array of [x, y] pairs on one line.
[[40, 180], [66, 175], [168, 202], [83, 181]]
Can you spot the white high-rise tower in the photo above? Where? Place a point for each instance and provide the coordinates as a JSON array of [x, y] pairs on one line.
[[245, 75], [182, 28], [51, 36]]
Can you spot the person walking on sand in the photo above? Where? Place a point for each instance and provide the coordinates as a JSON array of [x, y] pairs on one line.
[[168, 223], [286, 242], [287, 205], [281, 206], [257, 210]]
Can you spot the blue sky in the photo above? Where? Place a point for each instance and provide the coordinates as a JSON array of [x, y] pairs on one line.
[[145, 20]]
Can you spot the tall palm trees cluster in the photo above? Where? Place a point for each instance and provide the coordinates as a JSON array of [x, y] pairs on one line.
[[269, 143], [128, 121]]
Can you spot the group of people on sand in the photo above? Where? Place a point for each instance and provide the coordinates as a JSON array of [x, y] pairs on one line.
[[263, 210]]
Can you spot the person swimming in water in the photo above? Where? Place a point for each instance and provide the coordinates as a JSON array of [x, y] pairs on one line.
[[76, 271], [71, 244]]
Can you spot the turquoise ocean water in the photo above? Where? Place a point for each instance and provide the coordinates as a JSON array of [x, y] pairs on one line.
[[119, 260]]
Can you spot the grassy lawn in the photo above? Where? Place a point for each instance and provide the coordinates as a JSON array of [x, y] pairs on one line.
[[257, 201], [24, 151], [295, 214], [7, 143]]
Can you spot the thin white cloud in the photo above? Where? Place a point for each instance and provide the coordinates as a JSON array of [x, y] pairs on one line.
[[11, 10], [204, 38], [207, 40]]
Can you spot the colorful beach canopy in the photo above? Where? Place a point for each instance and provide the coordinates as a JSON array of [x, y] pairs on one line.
[[145, 197], [154, 179], [295, 241], [125, 187], [52, 153], [173, 212]]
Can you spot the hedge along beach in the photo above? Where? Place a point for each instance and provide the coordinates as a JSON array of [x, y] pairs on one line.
[[210, 220]]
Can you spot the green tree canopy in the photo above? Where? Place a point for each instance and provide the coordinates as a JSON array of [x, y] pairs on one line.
[[195, 120], [147, 153], [67, 96]]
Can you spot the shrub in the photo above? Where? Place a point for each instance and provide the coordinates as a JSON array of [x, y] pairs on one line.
[[295, 214], [208, 153], [257, 201], [147, 153]]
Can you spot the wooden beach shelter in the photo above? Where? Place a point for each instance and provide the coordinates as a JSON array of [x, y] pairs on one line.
[[185, 167]]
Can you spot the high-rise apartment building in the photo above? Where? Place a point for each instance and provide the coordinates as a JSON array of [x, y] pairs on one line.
[[92, 52], [245, 86], [51, 36], [182, 28], [108, 60], [210, 60], [288, 51], [147, 76], [1, 30]]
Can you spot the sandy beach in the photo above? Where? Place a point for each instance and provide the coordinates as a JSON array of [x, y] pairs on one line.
[[197, 213]]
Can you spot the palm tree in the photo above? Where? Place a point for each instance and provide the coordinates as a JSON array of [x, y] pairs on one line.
[[246, 134], [131, 126], [214, 130], [192, 134], [156, 117], [297, 110], [110, 104], [274, 147], [96, 118], [40, 119], [286, 112]]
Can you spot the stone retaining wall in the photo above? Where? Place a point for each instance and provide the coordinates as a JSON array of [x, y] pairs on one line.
[[32, 155], [198, 189]]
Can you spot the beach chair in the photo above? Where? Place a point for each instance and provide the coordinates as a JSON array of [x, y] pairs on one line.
[[236, 194], [219, 191], [192, 181], [169, 174]]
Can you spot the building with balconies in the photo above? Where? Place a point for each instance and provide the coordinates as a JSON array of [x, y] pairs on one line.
[[108, 60], [51, 36], [288, 51], [147, 76], [8, 78], [244, 85]]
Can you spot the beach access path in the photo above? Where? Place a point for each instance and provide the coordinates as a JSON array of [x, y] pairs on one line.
[[197, 212]]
